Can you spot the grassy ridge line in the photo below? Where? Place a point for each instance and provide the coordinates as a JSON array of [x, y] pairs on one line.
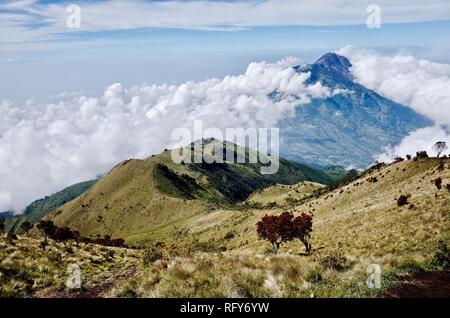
[[362, 217], [138, 197]]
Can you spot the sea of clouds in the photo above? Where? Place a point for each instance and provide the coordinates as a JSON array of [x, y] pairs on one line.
[[45, 147]]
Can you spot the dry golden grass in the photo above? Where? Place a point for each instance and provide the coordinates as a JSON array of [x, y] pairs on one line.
[[217, 254], [27, 270], [120, 203], [284, 194], [362, 217]]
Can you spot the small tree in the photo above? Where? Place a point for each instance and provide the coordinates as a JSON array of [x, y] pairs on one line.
[[285, 228], [2, 224], [276, 229], [440, 147], [26, 226], [63, 234], [303, 229], [119, 242], [47, 229]]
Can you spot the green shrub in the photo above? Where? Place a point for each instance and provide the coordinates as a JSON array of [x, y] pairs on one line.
[[109, 255], [151, 255], [441, 256], [229, 235], [314, 275], [335, 261]]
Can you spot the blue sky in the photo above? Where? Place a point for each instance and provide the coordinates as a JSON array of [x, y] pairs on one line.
[[140, 41]]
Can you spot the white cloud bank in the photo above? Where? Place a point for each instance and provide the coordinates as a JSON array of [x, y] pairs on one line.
[[45, 147], [420, 84]]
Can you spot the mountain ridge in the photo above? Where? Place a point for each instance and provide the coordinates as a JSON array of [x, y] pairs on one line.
[[140, 196]]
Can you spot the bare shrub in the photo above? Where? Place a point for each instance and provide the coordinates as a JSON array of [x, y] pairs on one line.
[[372, 179]]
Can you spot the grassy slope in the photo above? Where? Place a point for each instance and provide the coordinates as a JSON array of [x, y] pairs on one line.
[[335, 172], [138, 199], [28, 271], [362, 216], [359, 223], [281, 194], [126, 201]]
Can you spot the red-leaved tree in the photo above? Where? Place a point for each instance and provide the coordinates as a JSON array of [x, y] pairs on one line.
[[303, 229], [63, 234], [270, 228], [284, 228]]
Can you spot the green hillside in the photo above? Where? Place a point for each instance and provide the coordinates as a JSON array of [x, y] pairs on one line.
[[362, 215], [140, 197], [39, 208], [282, 195], [205, 252], [335, 172]]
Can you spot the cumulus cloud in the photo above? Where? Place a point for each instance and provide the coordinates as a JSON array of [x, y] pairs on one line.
[[421, 139], [420, 84], [45, 147]]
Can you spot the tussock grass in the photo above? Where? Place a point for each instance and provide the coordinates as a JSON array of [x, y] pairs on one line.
[[26, 270], [354, 226]]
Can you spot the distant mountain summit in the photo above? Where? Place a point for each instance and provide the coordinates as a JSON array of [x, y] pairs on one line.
[[333, 65], [350, 126]]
